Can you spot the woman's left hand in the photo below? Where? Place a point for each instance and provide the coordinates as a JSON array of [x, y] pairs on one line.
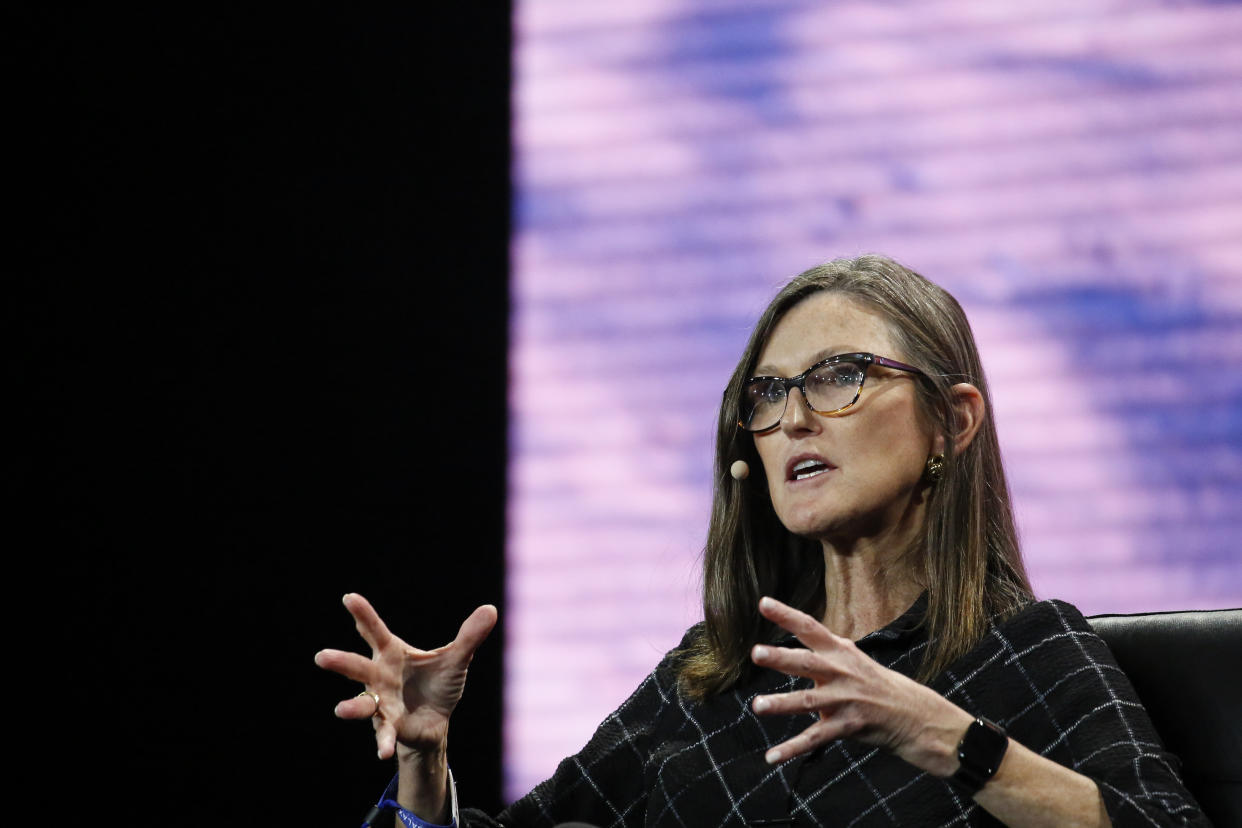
[[855, 697]]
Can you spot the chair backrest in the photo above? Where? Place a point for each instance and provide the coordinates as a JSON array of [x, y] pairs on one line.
[[1187, 670]]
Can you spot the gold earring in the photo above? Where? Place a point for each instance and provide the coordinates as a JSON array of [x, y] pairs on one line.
[[934, 469]]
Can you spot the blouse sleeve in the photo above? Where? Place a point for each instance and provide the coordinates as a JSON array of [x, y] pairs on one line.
[[603, 784], [1081, 711]]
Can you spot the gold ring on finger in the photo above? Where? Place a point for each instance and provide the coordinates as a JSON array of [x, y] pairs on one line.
[[373, 696]]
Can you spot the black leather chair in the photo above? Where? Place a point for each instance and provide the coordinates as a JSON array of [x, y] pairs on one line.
[[1187, 669]]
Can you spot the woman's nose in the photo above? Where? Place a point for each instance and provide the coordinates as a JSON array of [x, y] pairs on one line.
[[798, 415]]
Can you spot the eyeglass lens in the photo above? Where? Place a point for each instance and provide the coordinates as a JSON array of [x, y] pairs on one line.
[[828, 388]]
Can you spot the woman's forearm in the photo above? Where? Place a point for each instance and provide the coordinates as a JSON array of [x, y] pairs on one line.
[[422, 783], [1027, 790], [1030, 790]]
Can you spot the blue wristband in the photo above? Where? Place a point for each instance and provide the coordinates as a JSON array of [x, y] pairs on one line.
[[387, 802], [408, 819]]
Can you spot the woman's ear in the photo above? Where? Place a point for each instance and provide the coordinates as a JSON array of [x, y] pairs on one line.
[[968, 413]]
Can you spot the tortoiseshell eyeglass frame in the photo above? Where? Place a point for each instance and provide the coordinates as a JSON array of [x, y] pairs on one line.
[[799, 382]]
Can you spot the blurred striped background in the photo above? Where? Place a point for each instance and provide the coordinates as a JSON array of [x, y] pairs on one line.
[[1071, 171]]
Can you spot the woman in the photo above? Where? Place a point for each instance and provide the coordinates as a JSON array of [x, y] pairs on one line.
[[871, 652]]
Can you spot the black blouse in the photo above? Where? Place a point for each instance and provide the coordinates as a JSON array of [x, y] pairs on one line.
[[1043, 675]]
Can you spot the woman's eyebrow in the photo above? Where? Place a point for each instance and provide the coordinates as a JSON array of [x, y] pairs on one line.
[[820, 356]]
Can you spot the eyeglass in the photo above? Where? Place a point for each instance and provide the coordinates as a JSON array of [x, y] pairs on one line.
[[828, 387]]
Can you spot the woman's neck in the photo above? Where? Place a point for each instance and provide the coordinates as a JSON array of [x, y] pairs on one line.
[[867, 589]]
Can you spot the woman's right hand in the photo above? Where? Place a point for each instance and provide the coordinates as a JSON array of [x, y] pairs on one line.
[[417, 689]]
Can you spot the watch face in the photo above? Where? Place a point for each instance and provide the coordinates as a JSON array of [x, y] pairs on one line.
[[980, 753]]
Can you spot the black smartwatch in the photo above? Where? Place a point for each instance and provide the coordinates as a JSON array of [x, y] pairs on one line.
[[980, 753]]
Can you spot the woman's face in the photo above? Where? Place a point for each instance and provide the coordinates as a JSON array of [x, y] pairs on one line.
[[871, 457]]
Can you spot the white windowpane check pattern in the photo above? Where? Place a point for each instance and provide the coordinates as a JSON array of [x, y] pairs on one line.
[[1043, 675]]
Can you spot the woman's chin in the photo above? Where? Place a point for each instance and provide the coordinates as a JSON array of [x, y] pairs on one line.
[[841, 531], [812, 527]]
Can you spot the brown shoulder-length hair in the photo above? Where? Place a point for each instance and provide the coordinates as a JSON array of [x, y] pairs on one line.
[[971, 562]]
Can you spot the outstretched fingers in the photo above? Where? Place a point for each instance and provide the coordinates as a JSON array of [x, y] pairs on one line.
[[367, 620], [385, 738], [808, 630], [474, 631], [794, 661], [350, 665], [362, 706], [410, 692], [822, 732], [811, 700]]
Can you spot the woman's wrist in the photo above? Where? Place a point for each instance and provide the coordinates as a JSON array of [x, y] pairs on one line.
[[402, 817], [428, 755], [422, 782], [934, 746]]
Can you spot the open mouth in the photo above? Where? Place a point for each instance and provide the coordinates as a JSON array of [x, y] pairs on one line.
[[807, 469]]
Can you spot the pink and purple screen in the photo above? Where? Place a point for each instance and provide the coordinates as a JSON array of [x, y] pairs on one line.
[[1071, 171]]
